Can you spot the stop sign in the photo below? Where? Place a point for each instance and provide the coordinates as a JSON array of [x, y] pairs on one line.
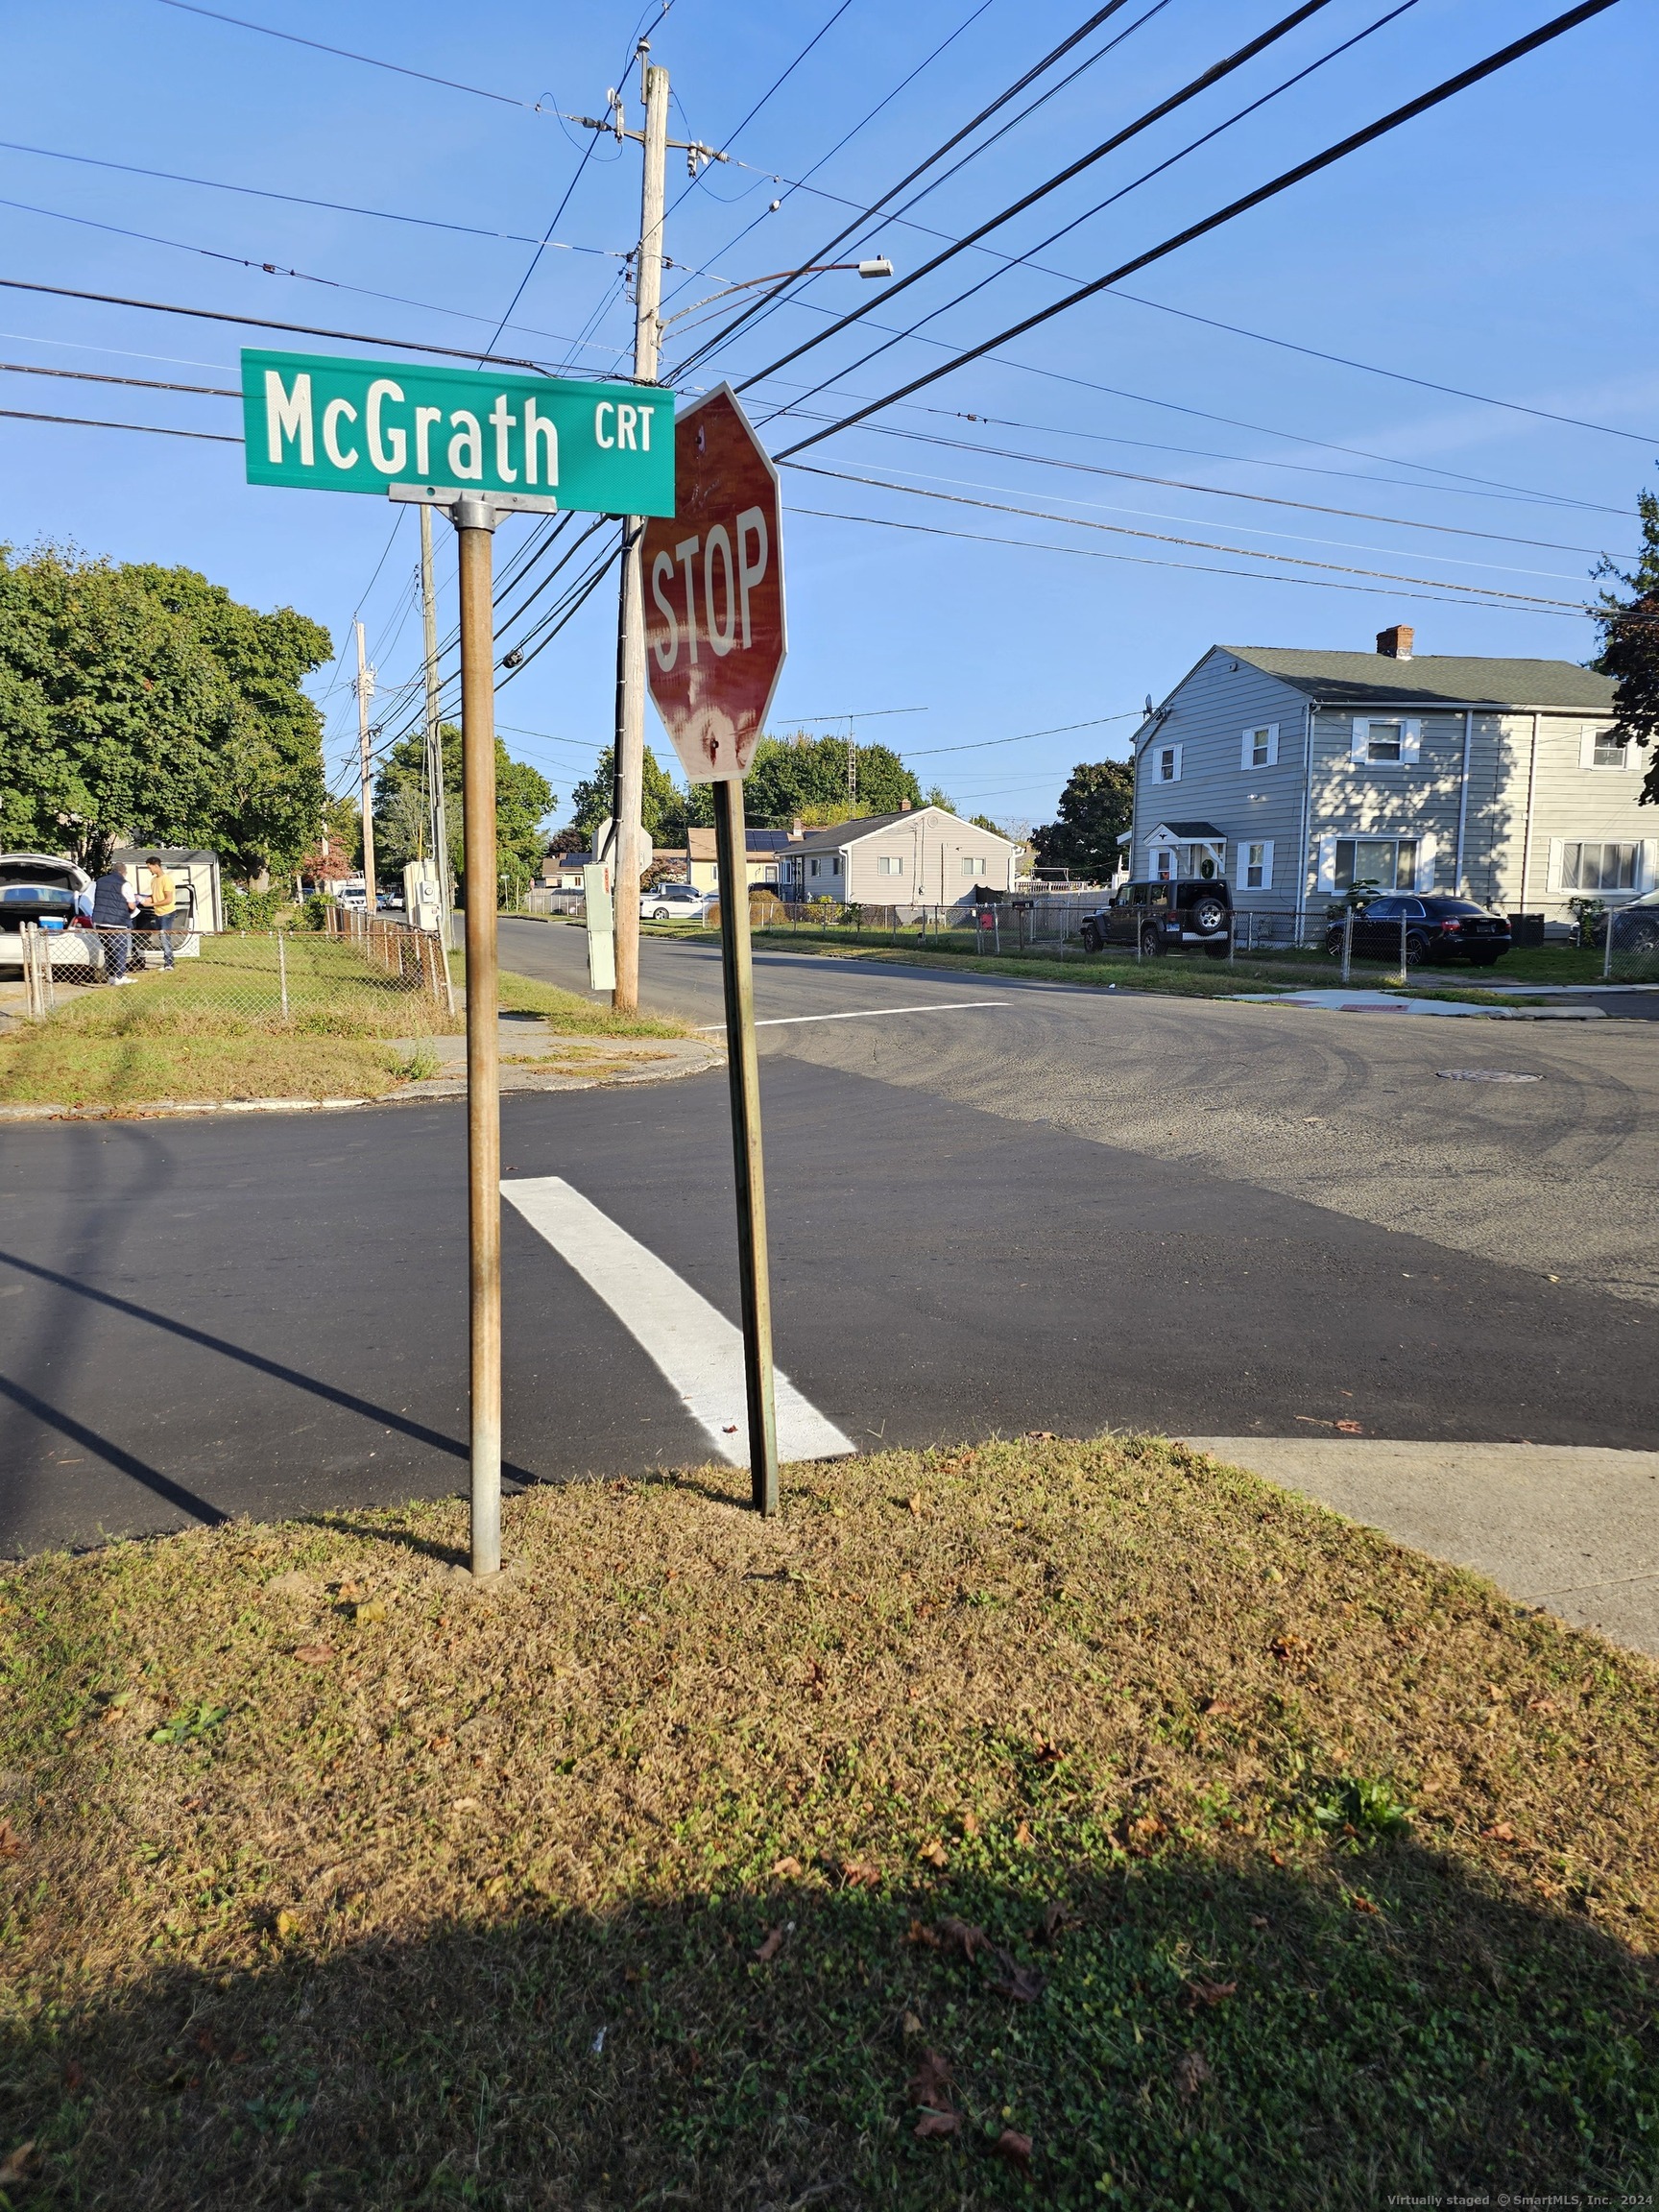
[[713, 576]]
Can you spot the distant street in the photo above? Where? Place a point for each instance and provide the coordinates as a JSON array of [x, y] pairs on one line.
[[1065, 1212]]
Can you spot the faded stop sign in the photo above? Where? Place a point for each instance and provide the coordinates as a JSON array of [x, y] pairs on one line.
[[713, 578]]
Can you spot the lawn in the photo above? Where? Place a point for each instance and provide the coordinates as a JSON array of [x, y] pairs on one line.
[[1044, 1823], [215, 1028]]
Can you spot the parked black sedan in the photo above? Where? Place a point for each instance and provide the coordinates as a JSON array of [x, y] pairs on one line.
[[1433, 930]]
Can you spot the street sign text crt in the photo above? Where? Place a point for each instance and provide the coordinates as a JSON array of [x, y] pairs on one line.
[[326, 422]]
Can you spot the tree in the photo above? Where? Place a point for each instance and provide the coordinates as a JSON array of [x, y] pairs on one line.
[[145, 702], [524, 801], [1097, 805], [1630, 643], [806, 777], [661, 801]]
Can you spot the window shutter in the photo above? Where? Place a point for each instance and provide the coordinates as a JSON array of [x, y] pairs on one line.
[[1176, 750], [1360, 744], [1587, 745], [1272, 744], [1267, 864], [1552, 873], [1246, 749], [1327, 876], [1647, 865], [1425, 864], [1411, 741]]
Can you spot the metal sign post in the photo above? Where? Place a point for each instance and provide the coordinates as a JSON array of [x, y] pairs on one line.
[[715, 632], [478, 445]]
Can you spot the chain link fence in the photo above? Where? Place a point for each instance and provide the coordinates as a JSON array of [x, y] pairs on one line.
[[359, 976]]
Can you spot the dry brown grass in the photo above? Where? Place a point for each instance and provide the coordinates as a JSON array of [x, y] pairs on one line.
[[1229, 1853]]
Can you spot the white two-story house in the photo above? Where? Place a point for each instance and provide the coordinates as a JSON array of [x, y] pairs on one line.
[[1302, 775]]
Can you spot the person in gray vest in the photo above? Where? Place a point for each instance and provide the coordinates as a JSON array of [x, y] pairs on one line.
[[112, 905]]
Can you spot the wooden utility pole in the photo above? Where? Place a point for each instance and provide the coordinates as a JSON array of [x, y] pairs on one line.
[[437, 811], [630, 754], [365, 692]]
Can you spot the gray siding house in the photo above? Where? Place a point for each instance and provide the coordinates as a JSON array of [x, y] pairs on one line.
[[921, 857], [1303, 774]]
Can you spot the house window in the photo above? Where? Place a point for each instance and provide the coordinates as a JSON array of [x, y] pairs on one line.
[[889, 863], [1260, 748], [1166, 860], [1608, 750], [815, 866], [1170, 764], [1385, 744], [1376, 863], [974, 864], [1259, 866], [1598, 867]]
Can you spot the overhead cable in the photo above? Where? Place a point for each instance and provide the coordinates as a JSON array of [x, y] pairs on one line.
[[1144, 121], [1425, 100], [345, 53]]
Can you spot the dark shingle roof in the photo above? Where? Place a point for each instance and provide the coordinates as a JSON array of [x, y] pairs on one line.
[[1189, 829], [1431, 677]]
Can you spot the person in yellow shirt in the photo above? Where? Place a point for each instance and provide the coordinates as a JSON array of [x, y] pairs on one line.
[[163, 904]]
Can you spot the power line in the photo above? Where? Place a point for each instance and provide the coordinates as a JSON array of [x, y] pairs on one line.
[[1008, 262], [1027, 737], [776, 85], [97, 376], [266, 323], [1144, 121], [345, 53], [1150, 561], [1203, 545], [1425, 100], [290, 199], [823, 253], [94, 422]]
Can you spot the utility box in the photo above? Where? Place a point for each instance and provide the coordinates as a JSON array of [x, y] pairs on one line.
[[423, 896], [1526, 929], [601, 919]]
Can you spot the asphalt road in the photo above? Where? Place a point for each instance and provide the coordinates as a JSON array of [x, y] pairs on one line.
[[268, 1316]]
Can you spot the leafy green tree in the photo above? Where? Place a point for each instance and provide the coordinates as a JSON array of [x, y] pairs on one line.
[[146, 703], [661, 801], [1097, 805], [1630, 642], [524, 801], [807, 777]]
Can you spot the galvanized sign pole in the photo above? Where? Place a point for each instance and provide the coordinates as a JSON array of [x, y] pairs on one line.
[[479, 445]]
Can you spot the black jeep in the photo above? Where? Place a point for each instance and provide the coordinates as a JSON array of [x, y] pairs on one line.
[[1166, 916]]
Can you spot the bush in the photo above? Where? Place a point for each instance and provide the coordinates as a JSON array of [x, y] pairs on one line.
[[255, 909]]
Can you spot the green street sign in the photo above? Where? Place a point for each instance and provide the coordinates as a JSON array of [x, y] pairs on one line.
[[330, 423]]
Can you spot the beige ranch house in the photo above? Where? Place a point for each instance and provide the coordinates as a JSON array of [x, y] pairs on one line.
[[921, 857], [1300, 774]]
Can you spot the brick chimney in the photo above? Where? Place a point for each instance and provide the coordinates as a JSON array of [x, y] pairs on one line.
[[1395, 643], [796, 830], [904, 806]]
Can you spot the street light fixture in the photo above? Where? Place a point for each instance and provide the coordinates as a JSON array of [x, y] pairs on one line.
[[879, 267]]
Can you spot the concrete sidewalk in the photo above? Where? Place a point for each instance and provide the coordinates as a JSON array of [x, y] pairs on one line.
[[1572, 1528]]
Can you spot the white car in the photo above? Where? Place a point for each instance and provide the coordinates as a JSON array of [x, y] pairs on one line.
[[675, 903], [42, 888]]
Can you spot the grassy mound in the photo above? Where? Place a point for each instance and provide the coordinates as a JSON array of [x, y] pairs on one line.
[[1049, 1824]]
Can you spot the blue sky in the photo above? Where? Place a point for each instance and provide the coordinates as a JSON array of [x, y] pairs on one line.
[[1502, 245]]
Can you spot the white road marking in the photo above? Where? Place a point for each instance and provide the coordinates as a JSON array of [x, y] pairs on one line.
[[865, 1012], [694, 1346]]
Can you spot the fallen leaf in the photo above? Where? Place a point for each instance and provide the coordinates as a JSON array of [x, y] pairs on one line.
[[1143, 1833], [789, 1869], [910, 2025], [1024, 1836], [861, 1873], [923, 1935], [914, 1502], [1258, 1920], [931, 2084], [1056, 1921], [314, 1655], [729, 1429], [289, 1925], [1023, 1984], [969, 1824], [1291, 1651], [1199, 1992], [1046, 1749], [18, 2167], [938, 2123], [1500, 1833], [1349, 1429], [968, 1938], [1016, 2149], [1361, 1902], [1191, 2072], [74, 2074], [1040, 1435], [770, 1948], [374, 1609], [935, 1853], [11, 1842]]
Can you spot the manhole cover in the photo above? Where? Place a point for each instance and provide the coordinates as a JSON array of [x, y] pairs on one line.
[[1484, 1075]]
